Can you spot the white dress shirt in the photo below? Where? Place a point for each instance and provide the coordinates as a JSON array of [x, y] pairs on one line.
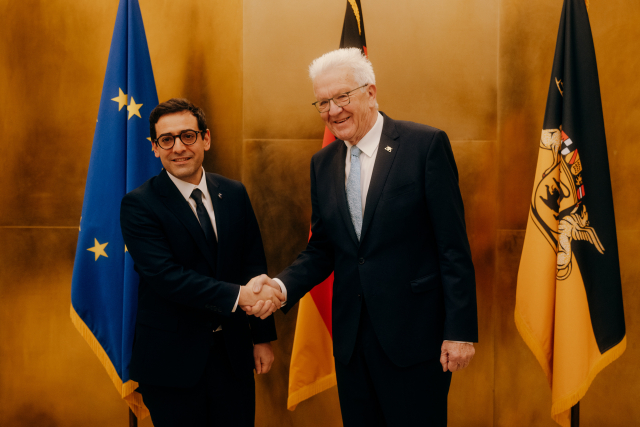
[[186, 188]]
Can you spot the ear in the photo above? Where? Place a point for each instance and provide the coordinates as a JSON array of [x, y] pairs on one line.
[[155, 149], [372, 92], [207, 140]]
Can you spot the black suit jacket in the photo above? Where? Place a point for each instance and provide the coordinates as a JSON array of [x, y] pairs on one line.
[[412, 265], [179, 298]]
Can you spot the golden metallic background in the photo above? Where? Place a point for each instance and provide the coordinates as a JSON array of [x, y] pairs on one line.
[[477, 69]]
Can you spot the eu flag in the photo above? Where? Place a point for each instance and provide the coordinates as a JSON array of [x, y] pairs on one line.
[[104, 289]]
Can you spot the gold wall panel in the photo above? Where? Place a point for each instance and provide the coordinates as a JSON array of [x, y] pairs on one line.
[[276, 174], [52, 64], [420, 50], [615, 34], [48, 374], [281, 38], [196, 53], [471, 394], [436, 63]]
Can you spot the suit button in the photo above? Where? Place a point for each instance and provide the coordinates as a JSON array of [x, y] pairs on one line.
[[361, 261]]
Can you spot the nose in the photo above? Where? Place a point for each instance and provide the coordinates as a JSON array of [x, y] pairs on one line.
[[178, 146], [334, 108]]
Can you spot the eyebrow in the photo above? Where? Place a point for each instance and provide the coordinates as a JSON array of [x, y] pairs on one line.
[[183, 130]]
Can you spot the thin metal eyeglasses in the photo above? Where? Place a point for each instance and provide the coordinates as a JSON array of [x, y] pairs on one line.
[[188, 137], [341, 100]]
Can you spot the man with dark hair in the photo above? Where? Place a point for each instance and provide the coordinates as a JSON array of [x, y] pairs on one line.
[[194, 238]]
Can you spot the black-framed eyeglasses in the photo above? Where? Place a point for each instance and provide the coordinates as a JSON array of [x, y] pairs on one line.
[[341, 100], [188, 137]]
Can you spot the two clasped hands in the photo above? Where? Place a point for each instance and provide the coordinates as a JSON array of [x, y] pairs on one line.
[[261, 297]]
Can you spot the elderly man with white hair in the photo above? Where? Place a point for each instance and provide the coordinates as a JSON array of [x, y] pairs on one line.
[[388, 219]]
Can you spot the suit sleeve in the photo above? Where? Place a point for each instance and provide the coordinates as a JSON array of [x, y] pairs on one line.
[[255, 264], [316, 262], [154, 261], [446, 210]]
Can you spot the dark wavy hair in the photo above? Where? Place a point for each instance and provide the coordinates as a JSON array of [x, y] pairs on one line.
[[175, 105]]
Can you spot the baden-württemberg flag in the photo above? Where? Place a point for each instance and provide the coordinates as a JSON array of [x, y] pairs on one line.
[[569, 298], [104, 290]]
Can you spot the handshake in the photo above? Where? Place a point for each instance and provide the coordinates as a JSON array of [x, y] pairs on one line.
[[261, 297]]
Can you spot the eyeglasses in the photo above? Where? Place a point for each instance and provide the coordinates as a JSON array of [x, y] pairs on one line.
[[188, 137], [341, 100]]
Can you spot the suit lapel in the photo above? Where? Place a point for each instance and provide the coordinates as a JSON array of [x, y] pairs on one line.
[[340, 191], [175, 202], [387, 150]]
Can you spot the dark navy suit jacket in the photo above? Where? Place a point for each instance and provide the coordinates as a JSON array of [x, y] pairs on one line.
[[180, 298], [413, 264]]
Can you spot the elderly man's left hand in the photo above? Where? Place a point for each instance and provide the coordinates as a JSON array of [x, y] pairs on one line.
[[456, 355]]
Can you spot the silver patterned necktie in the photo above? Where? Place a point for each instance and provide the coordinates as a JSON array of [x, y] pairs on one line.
[[354, 195]]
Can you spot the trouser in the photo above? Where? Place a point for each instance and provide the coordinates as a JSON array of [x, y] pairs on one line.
[[375, 392], [220, 398]]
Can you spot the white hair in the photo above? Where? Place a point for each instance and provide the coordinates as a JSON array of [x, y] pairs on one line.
[[351, 58]]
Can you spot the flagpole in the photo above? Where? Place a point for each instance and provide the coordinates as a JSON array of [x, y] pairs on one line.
[[133, 420], [575, 415]]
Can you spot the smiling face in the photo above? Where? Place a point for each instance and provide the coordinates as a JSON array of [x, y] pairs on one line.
[[182, 161], [351, 122]]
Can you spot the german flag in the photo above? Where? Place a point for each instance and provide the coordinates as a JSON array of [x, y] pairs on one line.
[[569, 298], [312, 368]]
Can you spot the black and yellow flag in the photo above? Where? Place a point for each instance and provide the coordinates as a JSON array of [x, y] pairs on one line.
[[569, 299]]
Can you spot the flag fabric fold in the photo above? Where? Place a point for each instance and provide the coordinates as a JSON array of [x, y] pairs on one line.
[[312, 368], [569, 297], [104, 289]]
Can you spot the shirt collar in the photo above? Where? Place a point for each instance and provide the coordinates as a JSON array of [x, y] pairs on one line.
[[369, 143], [186, 188]]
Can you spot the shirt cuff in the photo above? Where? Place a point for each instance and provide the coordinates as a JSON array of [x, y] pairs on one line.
[[460, 342], [283, 289], [236, 304]]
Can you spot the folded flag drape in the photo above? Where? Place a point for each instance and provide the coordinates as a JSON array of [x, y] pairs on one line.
[[104, 289], [569, 299]]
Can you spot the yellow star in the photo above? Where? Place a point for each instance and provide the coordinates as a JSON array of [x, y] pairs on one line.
[[121, 99], [134, 108], [98, 249], [125, 249]]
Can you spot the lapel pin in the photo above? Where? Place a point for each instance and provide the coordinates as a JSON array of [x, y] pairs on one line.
[[220, 195], [388, 148]]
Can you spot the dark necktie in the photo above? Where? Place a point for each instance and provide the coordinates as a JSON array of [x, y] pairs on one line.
[[207, 227], [203, 216], [205, 222]]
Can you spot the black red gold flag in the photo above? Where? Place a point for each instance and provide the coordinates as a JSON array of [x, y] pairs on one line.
[[312, 368], [569, 299]]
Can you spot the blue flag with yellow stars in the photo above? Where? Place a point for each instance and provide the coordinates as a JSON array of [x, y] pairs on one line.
[[104, 289]]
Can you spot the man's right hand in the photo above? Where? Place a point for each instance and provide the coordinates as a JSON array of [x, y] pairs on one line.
[[259, 300]]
